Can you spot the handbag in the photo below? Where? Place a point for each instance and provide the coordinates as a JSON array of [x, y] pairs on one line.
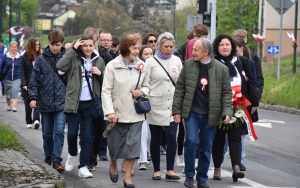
[[141, 104], [96, 106]]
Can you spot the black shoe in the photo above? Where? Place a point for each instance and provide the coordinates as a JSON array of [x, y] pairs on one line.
[[156, 177], [57, 166], [236, 175], [91, 166], [103, 158], [242, 167], [217, 178], [113, 178], [128, 185], [201, 184], [172, 177], [189, 182], [48, 160]]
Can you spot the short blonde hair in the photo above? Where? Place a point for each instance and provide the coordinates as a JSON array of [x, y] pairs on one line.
[[12, 43], [240, 33]]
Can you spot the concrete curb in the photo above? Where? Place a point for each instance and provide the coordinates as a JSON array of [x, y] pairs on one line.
[[279, 108]]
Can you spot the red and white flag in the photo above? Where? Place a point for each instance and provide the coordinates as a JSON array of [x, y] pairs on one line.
[[291, 36], [258, 37], [13, 32]]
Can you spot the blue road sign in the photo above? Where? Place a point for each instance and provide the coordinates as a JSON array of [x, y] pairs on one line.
[[273, 49]]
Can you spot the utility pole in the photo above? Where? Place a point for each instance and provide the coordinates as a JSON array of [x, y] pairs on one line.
[[295, 31], [280, 35], [18, 21], [1, 5], [174, 21], [261, 29], [213, 24], [10, 19], [239, 15]]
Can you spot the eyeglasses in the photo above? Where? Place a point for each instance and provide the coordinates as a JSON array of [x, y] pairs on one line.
[[151, 41], [105, 40], [37, 44]]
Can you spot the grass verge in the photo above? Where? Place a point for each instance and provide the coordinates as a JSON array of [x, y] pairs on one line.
[[8, 138], [286, 91]]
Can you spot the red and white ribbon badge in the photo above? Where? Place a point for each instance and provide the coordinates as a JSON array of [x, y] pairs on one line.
[[17, 56], [60, 72], [175, 71], [140, 66], [204, 82]]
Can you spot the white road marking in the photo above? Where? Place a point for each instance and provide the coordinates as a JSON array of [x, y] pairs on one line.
[[267, 125], [225, 173], [271, 121]]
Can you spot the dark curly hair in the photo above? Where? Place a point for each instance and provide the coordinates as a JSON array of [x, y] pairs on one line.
[[217, 42]]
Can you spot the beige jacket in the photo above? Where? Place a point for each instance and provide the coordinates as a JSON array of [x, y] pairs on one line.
[[161, 89], [118, 81]]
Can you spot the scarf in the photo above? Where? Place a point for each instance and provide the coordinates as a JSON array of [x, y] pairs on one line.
[[162, 56], [227, 61]]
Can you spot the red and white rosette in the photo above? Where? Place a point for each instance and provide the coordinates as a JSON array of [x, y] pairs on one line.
[[175, 71], [204, 83], [141, 66], [60, 73]]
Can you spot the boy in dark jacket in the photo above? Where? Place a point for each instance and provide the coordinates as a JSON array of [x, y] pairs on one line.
[[47, 90]]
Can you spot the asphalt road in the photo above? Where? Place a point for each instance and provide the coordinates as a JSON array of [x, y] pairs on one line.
[[272, 161]]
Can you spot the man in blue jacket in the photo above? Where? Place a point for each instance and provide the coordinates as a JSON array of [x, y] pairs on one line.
[[47, 90]]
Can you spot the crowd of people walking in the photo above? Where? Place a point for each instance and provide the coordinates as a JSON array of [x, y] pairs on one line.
[[191, 90]]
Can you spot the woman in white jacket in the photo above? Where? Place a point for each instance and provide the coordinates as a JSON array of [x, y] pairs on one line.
[[163, 70], [118, 93]]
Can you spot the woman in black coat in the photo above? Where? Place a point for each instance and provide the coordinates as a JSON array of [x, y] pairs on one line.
[[240, 75], [33, 50]]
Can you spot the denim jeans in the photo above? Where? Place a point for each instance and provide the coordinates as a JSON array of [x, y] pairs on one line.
[[84, 117], [53, 127], [193, 138]]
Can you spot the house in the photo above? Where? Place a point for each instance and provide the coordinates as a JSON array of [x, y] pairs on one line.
[[62, 19], [271, 29]]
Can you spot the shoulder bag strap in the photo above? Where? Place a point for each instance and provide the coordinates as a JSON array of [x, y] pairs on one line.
[[165, 71], [138, 81], [88, 81], [54, 69]]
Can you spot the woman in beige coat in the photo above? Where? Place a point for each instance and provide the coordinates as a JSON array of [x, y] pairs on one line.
[[161, 98], [120, 79]]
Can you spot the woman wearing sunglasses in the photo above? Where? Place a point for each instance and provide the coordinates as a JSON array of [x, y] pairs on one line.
[[150, 39]]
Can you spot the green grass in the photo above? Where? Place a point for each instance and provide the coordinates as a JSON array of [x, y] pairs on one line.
[[286, 91], [8, 138]]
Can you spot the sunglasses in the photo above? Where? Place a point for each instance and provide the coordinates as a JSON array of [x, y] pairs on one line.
[[151, 41]]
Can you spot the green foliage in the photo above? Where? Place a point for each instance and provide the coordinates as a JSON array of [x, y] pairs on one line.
[[137, 11], [286, 90], [8, 138], [228, 18], [29, 10]]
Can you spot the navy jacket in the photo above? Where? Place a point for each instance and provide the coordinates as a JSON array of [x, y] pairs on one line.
[[45, 86], [13, 72]]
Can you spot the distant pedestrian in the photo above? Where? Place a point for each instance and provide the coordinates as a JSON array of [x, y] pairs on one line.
[[33, 50], [150, 39], [11, 65], [3, 51], [47, 89]]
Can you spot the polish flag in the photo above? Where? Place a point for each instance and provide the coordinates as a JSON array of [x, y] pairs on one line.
[[291, 36], [13, 32], [21, 40], [258, 37]]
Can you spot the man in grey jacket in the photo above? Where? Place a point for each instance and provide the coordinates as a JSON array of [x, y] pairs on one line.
[[202, 96]]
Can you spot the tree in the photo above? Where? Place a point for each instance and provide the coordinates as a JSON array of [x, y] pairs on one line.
[[228, 15], [137, 10], [29, 11]]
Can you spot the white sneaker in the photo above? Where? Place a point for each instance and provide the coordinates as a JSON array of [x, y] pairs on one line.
[[36, 124], [180, 161], [29, 126], [84, 172], [142, 166], [196, 163], [70, 163]]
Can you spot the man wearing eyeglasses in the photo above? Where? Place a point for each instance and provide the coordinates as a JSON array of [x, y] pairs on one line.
[[105, 40]]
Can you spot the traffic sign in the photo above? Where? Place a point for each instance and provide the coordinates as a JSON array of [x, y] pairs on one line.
[[273, 49], [193, 19], [276, 4]]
